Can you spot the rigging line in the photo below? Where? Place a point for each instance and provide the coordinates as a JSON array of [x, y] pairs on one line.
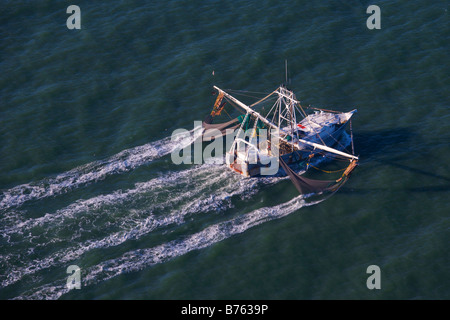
[[271, 110], [235, 106], [326, 110], [227, 113], [277, 105], [338, 142], [315, 130], [259, 101], [266, 97], [326, 170], [245, 95], [301, 108], [235, 90], [302, 111]]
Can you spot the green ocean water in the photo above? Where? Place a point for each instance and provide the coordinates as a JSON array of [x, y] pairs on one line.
[[86, 176]]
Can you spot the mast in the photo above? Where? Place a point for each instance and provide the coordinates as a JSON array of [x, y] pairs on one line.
[[271, 124]]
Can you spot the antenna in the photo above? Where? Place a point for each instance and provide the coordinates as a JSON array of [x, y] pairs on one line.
[[285, 61]]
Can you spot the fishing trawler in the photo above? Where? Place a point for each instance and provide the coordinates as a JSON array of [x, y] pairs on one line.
[[272, 136]]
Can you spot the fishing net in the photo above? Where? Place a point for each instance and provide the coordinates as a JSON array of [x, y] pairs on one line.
[[212, 130], [307, 186]]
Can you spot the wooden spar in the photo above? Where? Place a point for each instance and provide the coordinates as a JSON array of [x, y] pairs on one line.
[[247, 108], [319, 146], [253, 112]]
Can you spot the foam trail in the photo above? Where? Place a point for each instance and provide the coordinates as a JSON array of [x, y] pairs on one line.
[[142, 258], [121, 162], [131, 226]]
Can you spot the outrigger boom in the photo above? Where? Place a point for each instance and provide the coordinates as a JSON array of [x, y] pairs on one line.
[[268, 122]]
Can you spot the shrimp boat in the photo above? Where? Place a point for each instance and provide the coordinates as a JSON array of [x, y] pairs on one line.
[[276, 133]]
